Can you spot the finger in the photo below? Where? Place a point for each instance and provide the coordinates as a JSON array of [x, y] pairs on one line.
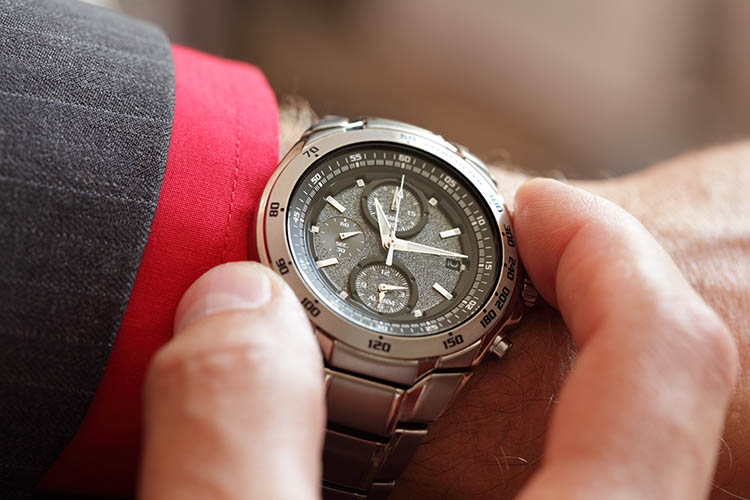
[[641, 413], [234, 403]]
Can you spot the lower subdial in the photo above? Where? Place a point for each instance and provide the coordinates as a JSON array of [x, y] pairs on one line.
[[381, 288], [339, 237]]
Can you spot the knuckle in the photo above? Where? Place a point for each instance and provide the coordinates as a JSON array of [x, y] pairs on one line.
[[717, 347], [184, 364], [229, 356]]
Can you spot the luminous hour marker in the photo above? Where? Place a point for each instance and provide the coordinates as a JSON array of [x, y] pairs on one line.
[[314, 229], [327, 262], [432, 201], [360, 183], [338, 206], [343, 294], [417, 313], [450, 232], [442, 291]]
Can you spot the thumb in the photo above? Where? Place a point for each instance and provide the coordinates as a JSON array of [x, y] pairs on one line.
[[234, 403]]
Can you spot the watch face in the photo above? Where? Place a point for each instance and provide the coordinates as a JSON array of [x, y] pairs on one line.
[[354, 206]]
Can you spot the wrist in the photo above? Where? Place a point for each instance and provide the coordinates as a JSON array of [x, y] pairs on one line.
[[492, 438]]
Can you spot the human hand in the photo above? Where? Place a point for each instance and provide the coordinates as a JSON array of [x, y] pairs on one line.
[[234, 403], [640, 414]]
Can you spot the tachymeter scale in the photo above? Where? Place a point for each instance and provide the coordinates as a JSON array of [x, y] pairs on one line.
[[448, 213]]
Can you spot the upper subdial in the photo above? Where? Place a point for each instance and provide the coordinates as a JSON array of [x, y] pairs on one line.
[[413, 212], [339, 238]]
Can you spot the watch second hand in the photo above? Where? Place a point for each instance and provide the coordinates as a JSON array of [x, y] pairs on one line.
[[392, 236]]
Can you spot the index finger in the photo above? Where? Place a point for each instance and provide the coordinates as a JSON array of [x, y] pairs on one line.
[[641, 413]]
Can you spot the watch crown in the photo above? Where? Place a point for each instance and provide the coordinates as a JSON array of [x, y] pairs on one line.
[[500, 346], [529, 293]]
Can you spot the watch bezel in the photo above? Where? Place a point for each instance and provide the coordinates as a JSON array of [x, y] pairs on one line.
[[273, 247]]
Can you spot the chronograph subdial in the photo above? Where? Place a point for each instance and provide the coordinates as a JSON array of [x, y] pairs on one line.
[[383, 289], [413, 212], [339, 237]]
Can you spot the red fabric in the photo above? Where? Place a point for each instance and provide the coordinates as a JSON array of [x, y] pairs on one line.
[[223, 148]]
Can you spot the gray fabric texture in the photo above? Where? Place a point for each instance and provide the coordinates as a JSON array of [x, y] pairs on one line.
[[86, 98]]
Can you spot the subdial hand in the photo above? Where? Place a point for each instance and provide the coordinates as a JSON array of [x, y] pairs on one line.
[[349, 234], [381, 296], [386, 288], [396, 193]]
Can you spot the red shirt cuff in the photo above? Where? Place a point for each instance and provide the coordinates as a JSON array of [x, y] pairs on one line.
[[223, 148]]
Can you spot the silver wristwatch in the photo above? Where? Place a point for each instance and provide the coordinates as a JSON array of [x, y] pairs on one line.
[[401, 251]]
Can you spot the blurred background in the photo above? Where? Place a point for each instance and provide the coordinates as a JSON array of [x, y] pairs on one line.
[[582, 88]]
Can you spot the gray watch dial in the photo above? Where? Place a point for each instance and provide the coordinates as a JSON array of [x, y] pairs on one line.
[[445, 247]]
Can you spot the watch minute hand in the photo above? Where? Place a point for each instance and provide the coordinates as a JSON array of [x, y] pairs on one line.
[[410, 246]]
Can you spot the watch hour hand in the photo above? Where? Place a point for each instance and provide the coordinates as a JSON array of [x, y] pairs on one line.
[[410, 246], [383, 227], [349, 234]]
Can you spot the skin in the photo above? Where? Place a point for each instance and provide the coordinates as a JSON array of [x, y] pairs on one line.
[[631, 404]]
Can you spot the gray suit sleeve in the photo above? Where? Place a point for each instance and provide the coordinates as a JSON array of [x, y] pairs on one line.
[[86, 98]]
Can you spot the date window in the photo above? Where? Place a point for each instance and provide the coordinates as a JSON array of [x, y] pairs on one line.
[[453, 264]]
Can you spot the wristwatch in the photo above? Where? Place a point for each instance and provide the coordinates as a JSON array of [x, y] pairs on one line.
[[401, 250]]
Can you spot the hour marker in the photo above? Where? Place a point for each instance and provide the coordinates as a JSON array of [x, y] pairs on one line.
[[338, 206], [450, 232], [314, 229], [442, 291], [417, 313], [432, 201], [360, 183], [343, 294], [327, 262]]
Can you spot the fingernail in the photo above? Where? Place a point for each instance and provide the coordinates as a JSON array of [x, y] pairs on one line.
[[225, 288]]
